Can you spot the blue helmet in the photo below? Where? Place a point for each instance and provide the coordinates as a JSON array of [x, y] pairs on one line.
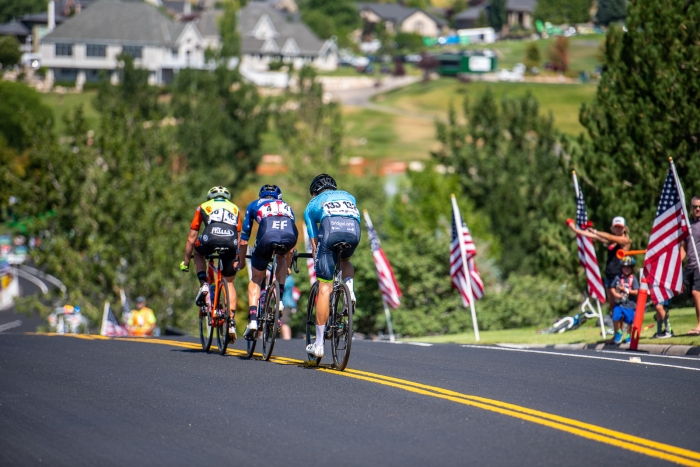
[[270, 191]]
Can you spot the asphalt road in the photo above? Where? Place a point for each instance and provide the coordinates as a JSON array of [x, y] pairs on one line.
[[74, 401], [11, 321]]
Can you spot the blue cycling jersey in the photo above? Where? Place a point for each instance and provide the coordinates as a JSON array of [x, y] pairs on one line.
[[332, 203], [262, 208]]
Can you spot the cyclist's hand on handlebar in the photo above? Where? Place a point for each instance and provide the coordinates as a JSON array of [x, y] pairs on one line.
[[184, 267]]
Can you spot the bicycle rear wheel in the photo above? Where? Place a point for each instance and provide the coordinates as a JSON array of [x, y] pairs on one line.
[[311, 322], [223, 317], [206, 331], [342, 310], [270, 323]]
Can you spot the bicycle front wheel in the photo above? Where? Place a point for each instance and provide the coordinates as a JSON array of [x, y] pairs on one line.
[[311, 322], [223, 317], [342, 309], [270, 323], [206, 331]]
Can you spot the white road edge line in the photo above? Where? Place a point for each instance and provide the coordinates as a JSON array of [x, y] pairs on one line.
[[507, 349], [642, 354]]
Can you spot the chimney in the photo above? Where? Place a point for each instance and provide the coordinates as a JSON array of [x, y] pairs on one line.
[[51, 16], [187, 10]]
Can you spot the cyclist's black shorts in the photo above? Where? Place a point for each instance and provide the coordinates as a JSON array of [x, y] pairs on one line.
[[333, 231], [218, 235], [279, 230]]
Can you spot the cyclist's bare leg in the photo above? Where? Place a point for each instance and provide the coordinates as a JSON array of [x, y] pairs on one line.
[[322, 302], [281, 274], [232, 299], [254, 286], [348, 274], [200, 263]]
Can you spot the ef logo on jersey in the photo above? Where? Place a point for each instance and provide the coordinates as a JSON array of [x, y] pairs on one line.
[[280, 225]]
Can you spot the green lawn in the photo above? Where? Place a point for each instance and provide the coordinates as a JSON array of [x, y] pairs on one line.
[[64, 104], [682, 320], [433, 99], [583, 51]]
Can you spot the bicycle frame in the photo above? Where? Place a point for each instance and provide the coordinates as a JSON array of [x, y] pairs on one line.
[[214, 276]]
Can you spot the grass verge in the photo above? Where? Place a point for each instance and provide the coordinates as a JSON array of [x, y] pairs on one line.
[[64, 104], [682, 321]]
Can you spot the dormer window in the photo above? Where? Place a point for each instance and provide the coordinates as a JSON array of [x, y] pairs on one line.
[[264, 29]]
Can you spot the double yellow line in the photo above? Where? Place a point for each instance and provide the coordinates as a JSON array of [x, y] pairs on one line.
[[585, 430]]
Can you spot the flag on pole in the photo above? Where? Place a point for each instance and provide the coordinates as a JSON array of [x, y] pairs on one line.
[[662, 263], [586, 251], [461, 246], [309, 261], [110, 324], [388, 286]]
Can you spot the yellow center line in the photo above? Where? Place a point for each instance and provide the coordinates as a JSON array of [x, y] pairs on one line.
[[585, 430]]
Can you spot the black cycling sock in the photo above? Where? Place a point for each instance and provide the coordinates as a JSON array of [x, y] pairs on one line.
[[281, 290], [202, 276], [252, 312]]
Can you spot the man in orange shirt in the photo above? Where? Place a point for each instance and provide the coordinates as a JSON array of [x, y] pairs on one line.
[[142, 321]]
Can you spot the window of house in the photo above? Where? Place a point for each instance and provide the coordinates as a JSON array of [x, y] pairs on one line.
[[64, 50], [133, 50], [174, 52], [96, 50]]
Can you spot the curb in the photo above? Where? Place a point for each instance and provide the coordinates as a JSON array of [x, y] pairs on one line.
[[676, 350]]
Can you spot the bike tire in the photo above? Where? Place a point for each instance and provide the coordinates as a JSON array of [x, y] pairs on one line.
[[223, 316], [206, 331], [271, 318], [311, 323], [342, 310]]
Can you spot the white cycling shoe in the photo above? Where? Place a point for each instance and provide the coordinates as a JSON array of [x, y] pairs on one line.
[[251, 328], [315, 350]]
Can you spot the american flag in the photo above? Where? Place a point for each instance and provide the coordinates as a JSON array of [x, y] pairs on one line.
[[662, 263], [110, 324], [457, 270], [388, 286], [586, 252], [309, 261]]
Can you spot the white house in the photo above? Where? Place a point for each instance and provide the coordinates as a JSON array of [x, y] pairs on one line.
[[85, 44], [268, 35]]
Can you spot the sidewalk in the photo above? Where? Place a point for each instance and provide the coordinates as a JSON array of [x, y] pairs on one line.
[[656, 349]]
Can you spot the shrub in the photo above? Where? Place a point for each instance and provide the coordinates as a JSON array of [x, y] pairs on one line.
[[533, 58], [558, 54], [276, 65]]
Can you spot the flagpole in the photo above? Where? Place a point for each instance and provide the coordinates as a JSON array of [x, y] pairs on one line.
[[685, 212], [387, 312], [467, 275]]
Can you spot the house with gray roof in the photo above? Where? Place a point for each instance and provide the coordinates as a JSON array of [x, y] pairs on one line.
[[470, 18], [520, 13], [87, 43], [398, 18], [268, 35]]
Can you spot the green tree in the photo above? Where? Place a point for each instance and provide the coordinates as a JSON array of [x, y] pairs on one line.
[[228, 29], [497, 14], [564, 11], [508, 161], [408, 42], [10, 9], [645, 111], [533, 58], [611, 11], [10, 55], [321, 24], [342, 14], [20, 107], [222, 120]]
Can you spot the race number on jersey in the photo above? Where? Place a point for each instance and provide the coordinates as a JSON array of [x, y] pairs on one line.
[[341, 208], [225, 216], [274, 209]]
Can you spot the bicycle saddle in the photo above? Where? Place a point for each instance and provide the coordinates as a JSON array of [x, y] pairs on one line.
[[340, 246]]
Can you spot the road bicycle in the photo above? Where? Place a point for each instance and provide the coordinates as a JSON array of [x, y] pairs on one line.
[[215, 313], [339, 325], [268, 316]]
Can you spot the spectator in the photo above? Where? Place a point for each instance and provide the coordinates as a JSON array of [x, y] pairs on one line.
[[691, 278], [290, 306], [618, 240], [142, 321], [625, 288]]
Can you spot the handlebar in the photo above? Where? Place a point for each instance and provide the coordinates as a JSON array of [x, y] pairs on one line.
[[295, 256]]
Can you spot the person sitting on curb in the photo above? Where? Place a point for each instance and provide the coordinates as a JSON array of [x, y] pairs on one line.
[[625, 288], [618, 240], [142, 321]]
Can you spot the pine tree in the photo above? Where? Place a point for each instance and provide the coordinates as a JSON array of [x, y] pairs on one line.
[[533, 58], [647, 109]]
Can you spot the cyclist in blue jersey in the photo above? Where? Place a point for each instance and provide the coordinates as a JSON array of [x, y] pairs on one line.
[[331, 217], [276, 227]]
